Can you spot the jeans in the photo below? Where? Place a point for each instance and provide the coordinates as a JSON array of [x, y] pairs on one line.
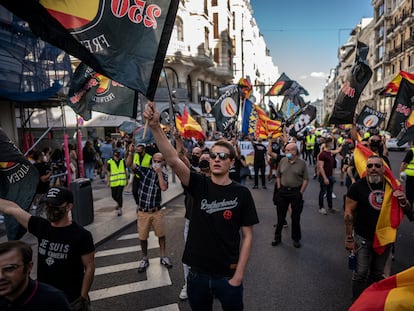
[[202, 288], [370, 265], [328, 189], [89, 169]]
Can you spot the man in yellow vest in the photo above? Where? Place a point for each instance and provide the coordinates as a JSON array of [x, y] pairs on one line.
[[407, 173], [117, 179], [141, 158], [310, 140]]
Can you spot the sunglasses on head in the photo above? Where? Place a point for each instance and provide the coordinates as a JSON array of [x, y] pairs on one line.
[[221, 155], [377, 165]]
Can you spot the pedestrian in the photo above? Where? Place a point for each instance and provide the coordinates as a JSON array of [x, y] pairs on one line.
[[73, 164], [407, 174], [152, 181], [259, 162], [362, 210], [17, 290], [117, 179], [142, 159], [89, 158], [106, 150], [220, 234], [310, 140], [326, 164], [45, 171], [291, 180], [66, 252]]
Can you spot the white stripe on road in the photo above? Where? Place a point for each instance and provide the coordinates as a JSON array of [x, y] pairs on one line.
[[131, 236], [152, 243], [117, 268], [157, 276], [172, 307]]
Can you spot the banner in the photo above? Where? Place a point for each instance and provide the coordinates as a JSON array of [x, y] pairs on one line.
[[402, 115], [90, 90], [391, 89], [226, 108], [280, 86], [247, 111], [345, 104], [18, 179], [370, 118], [303, 120], [123, 40]]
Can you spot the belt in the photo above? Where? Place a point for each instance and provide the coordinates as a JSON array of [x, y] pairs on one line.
[[149, 210], [290, 188]]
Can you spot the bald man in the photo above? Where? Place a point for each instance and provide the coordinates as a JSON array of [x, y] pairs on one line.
[[291, 181]]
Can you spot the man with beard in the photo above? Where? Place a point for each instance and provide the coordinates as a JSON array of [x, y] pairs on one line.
[[362, 210], [66, 252]]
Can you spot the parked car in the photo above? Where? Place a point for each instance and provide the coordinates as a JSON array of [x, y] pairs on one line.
[[391, 144]]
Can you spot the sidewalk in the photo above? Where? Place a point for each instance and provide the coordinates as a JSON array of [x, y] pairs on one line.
[[106, 222]]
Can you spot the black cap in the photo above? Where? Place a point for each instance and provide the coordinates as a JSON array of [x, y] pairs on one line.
[[56, 196]]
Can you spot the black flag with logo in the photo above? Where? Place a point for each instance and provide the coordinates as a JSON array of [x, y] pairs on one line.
[[18, 180], [125, 42]]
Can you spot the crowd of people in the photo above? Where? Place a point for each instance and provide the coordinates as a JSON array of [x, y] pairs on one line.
[[219, 209]]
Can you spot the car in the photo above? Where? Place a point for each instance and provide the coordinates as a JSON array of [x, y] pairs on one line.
[[391, 144]]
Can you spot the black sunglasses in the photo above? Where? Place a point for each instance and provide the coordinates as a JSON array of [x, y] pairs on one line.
[[221, 155], [377, 165]]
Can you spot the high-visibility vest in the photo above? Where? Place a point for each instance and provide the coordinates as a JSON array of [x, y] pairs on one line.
[[145, 162], [340, 140], [409, 170], [118, 175], [310, 142]]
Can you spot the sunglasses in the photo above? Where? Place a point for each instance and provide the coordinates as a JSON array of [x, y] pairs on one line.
[[221, 155], [377, 165], [10, 268]]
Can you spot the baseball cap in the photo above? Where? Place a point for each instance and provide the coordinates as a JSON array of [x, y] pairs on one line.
[[57, 196]]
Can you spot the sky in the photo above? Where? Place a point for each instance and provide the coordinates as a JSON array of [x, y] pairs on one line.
[[303, 36]]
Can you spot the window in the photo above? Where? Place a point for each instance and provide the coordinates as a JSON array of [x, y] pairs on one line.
[[215, 25], [179, 29], [168, 75], [217, 55], [214, 3]]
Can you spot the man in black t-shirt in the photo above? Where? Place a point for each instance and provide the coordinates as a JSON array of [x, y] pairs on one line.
[[363, 206], [66, 252], [220, 234], [259, 162]]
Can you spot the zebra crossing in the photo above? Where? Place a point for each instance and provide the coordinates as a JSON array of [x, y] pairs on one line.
[[156, 275]]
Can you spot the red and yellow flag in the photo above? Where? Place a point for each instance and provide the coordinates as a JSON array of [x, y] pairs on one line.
[[391, 89], [265, 126], [188, 127], [390, 215], [395, 293]]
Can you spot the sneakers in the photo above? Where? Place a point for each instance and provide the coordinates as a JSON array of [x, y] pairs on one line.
[[334, 210], [296, 244], [333, 195], [285, 224], [255, 187], [165, 261], [119, 211], [323, 211], [127, 192], [264, 187], [183, 294], [277, 240], [143, 265]]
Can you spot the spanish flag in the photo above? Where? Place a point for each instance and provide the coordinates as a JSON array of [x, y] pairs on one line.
[[395, 293], [390, 215], [391, 89], [188, 127]]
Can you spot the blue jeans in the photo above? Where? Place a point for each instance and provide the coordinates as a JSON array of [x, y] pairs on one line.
[[89, 169], [328, 189], [202, 288], [370, 265]]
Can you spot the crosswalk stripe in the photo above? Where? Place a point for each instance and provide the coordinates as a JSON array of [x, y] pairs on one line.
[[130, 236], [157, 276], [171, 307], [152, 243], [116, 268]]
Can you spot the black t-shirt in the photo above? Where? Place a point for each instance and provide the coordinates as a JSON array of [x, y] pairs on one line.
[[217, 215], [408, 156], [59, 254], [368, 207], [259, 153], [42, 187]]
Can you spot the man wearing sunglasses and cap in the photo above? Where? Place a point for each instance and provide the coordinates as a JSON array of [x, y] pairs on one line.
[[363, 205], [220, 233], [66, 252]]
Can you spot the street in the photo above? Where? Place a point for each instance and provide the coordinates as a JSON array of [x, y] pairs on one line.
[[314, 277]]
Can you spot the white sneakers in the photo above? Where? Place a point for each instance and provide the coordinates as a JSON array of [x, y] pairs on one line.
[[323, 211], [183, 294]]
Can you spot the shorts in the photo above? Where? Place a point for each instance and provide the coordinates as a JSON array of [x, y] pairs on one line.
[[147, 220]]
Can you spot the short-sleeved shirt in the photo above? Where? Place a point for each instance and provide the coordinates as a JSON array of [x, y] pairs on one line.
[[260, 151], [292, 174], [149, 191], [368, 207], [59, 254], [328, 162], [217, 215]]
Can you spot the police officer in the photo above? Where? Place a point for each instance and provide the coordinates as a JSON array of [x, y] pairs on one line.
[[407, 173]]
